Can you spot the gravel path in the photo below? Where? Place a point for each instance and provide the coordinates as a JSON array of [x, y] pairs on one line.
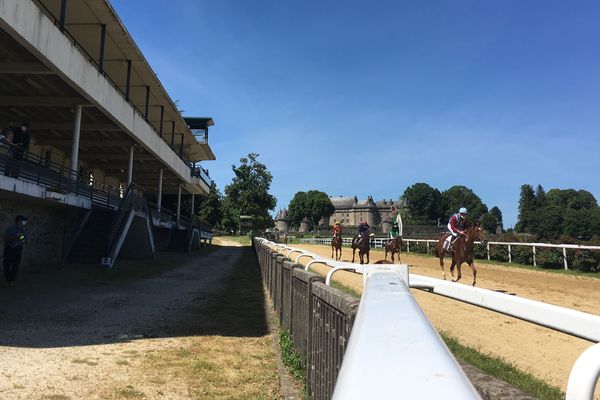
[[62, 335]]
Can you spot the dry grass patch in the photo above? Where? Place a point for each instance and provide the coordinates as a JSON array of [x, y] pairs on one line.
[[218, 367]]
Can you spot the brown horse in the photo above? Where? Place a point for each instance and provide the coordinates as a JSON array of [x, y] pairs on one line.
[[363, 245], [336, 244], [462, 251], [393, 246]]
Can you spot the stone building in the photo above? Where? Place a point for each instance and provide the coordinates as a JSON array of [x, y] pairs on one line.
[[304, 225], [282, 223], [350, 212]]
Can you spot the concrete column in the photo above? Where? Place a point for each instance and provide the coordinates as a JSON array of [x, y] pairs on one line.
[[192, 210], [75, 143], [159, 200], [130, 166], [178, 202]]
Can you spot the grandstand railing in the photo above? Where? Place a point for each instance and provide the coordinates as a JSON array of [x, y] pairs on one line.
[[584, 373]]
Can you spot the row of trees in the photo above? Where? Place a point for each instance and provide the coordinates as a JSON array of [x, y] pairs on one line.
[[247, 194], [569, 212], [427, 205]]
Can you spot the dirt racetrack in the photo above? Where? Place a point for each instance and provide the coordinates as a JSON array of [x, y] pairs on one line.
[[544, 353]]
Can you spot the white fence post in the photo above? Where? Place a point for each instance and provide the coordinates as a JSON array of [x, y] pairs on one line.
[[565, 258], [487, 246], [408, 247], [509, 254], [534, 260], [427, 247]]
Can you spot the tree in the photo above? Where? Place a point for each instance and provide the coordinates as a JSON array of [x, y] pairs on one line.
[[297, 209], [424, 203], [461, 196], [527, 207], [313, 204], [547, 221], [248, 193], [210, 208], [540, 196], [489, 222], [495, 211]]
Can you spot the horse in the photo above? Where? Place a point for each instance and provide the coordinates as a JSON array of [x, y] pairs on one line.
[[363, 245], [393, 246], [336, 244], [462, 251]]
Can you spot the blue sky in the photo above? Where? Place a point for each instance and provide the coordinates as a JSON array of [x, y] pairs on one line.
[[367, 98]]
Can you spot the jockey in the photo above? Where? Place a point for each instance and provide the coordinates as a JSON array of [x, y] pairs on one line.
[[363, 229], [395, 231], [337, 229], [457, 224]]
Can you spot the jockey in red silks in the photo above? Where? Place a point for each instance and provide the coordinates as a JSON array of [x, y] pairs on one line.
[[337, 229], [457, 224]]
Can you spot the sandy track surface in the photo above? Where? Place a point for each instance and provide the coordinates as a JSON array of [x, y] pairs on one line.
[[544, 353], [62, 339]]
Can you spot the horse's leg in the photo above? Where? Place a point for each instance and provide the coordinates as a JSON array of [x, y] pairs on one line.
[[442, 263], [332, 247], [458, 271], [368, 262], [452, 269], [399, 261], [474, 269], [353, 252], [385, 256]]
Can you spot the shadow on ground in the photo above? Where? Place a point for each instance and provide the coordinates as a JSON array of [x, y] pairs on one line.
[[215, 292]]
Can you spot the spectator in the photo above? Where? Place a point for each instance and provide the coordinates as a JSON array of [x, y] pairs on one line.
[[15, 238], [21, 142]]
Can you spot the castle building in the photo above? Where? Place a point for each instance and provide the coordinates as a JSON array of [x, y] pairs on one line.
[[350, 211], [282, 223]]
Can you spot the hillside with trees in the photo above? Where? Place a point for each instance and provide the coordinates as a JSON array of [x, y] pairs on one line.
[[558, 212]]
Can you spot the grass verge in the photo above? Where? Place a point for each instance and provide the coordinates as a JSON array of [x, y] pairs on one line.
[[291, 359], [503, 370]]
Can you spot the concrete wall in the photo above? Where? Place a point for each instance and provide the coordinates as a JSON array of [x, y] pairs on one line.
[[51, 227]]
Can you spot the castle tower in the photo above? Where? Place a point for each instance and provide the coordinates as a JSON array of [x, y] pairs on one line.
[[282, 223], [304, 225]]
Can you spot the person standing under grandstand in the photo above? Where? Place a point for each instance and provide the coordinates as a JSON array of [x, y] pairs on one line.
[[15, 238]]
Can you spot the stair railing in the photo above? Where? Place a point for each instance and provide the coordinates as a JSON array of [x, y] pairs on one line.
[[133, 200]]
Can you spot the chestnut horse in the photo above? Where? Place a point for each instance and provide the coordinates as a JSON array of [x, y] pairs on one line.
[[363, 245], [393, 246], [336, 244], [462, 251]]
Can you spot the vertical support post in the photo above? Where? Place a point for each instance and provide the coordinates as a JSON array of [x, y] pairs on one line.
[[63, 15], [192, 210], [147, 107], [130, 165], [128, 81], [178, 202], [534, 260], [75, 142], [102, 44], [172, 134], [160, 184], [181, 147], [509, 254], [408, 247], [162, 115], [487, 248], [565, 258]]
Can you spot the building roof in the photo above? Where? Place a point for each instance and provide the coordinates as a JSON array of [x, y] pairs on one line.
[[282, 215], [343, 202]]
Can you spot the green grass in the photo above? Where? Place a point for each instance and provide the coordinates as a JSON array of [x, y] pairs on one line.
[[291, 359], [503, 370]]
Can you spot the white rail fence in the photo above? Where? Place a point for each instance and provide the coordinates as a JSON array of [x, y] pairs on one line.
[[391, 330], [380, 243]]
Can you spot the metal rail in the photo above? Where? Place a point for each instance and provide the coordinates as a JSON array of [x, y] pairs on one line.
[[586, 370]]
